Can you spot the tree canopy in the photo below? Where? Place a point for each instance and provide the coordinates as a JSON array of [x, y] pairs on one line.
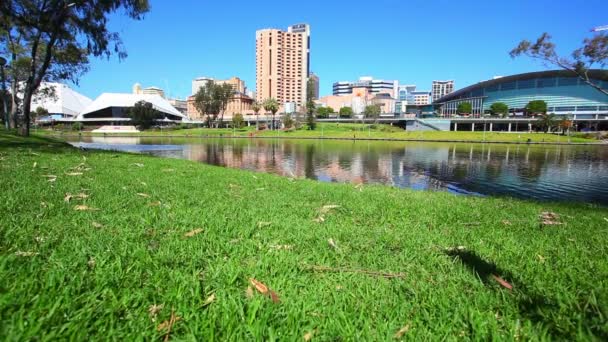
[[54, 39], [346, 112], [212, 99], [499, 108], [372, 111], [311, 122], [464, 108], [594, 52], [536, 107], [143, 114], [323, 112]]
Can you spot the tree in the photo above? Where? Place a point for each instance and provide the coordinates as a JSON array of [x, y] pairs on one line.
[[58, 37], [536, 107], [311, 122], [464, 108], [223, 93], [210, 100], [499, 109], [143, 114], [288, 121], [546, 122], [323, 112], [593, 52], [372, 111], [346, 112], [256, 110], [565, 124], [38, 113], [238, 121], [271, 105]]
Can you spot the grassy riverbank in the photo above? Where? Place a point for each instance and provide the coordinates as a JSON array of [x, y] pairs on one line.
[[102, 245], [358, 131]]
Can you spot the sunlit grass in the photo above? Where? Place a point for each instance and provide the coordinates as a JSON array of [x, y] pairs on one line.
[[105, 273], [358, 131]]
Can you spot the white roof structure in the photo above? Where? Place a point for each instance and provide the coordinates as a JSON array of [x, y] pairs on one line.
[[65, 101], [107, 100]]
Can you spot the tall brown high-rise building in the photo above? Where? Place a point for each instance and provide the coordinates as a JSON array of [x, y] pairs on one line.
[[282, 61]]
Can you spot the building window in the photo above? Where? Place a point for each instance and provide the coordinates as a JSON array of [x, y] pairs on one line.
[[567, 81], [564, 109], [546, 82], [526, 84]]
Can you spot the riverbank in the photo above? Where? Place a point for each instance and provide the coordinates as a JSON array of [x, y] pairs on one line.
[[104, 245], [347, 131]]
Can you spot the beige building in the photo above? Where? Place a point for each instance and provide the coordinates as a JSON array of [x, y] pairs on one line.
[[282, 64], [237, 84], [358, 99], [441, 89], [240, 103], [137, 89]]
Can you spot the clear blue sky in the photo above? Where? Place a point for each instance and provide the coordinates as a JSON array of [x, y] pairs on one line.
[[413, 41]]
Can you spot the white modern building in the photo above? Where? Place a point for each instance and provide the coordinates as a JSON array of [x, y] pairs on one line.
[[114, 107], [441, 89], [61, 101]]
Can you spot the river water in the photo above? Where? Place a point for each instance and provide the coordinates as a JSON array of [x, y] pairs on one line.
[[541, 172]]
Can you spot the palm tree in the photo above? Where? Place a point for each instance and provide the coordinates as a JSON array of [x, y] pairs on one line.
[[256, 109], [546, 122], [271, 105]]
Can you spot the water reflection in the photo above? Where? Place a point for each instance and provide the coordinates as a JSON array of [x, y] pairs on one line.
[[540, 172]]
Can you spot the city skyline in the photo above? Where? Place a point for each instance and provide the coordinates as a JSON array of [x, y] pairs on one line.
[[339, 55]]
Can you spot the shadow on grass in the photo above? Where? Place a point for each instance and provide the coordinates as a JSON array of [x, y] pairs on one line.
[[539, 308], [9, 139]]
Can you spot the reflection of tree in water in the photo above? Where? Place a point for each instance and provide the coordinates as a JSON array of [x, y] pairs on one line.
[[309, 162]]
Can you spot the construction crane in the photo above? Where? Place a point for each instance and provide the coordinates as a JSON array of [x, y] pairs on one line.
[[599, 28]]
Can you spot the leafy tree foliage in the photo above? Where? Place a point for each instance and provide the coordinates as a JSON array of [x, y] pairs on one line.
[[323, 112], [536, 107], [143, 114], [288, 121], [372, 111], [271, 105], [55, 38], [256, 110], [211, 100], [464, 108], [346, 112], [546, 122], [594, 52], [499, 108], [238, 121]]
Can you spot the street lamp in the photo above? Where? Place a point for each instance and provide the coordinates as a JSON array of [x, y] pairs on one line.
[[6, 118]]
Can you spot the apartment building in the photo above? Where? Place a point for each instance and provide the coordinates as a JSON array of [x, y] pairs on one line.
[[283, 64], [441, 89]]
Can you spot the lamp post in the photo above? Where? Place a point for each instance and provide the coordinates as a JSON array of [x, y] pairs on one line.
[[6, 118]]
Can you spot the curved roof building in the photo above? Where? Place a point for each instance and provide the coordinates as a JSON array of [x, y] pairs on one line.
[[114, 107], [564, 93], [63, 103]]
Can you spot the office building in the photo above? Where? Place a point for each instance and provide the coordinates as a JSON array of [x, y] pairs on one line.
[[441, 89], [372, 85], [421, 97], [180, 105], [358, 99], [563, 91], [283, 64]]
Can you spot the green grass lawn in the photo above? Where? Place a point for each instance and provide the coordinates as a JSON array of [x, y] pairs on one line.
[[358, 131], [105, 246]]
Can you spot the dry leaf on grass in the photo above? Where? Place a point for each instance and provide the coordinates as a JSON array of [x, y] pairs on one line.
[[154, 204], [263, 289], [69, 196], [279, 247], [327, 208], [168, 325], [263, 224], [25, 254], [142, 194], [502, 282], [91, 263], [541, 258], [153, 311], [193, 232], [83, 207], [319, 219], [402, 331], [73, 173], [332, 243], [549, 218], [209, 300], [308, 336], [138, 164], [506, 222], [35, 164], [97, 225]]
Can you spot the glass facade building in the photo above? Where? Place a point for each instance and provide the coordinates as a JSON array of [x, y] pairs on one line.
[[564, 93]]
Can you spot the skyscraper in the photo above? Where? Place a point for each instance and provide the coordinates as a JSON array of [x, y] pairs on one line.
[[283, 64], [442, 88]]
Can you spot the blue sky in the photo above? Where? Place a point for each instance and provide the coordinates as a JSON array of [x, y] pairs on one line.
[[412, 41]]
